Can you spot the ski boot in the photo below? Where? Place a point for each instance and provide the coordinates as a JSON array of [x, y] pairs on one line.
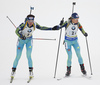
[[31, 72], [68, 71], [83, 69], [12, 74]]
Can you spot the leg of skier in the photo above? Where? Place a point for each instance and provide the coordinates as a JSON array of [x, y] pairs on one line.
[[20, 45], [69, 52], [28, 53], [80, 60]]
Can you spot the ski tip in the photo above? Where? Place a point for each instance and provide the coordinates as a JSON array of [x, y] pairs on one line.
[[59, 79], [30, 78], [54, 77], [10, 82], [11, 79], [27, 81], [87, 76]]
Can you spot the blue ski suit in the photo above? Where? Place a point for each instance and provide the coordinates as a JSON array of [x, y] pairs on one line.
[[72, 40], [27, 31]]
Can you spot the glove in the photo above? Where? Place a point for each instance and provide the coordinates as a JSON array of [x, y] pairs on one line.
[[61, 22], [55, 27], [85, 34], [23, 37]]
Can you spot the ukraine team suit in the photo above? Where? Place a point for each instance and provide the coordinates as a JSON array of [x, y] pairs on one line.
[[72, 40], [25, 30]]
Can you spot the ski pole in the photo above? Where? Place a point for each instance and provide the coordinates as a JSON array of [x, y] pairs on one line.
[[89, 56], [11, 22], [42, 39], [58, 51]]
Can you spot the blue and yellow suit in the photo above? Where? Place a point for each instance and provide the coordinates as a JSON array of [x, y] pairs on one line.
[[27, 31], [72, 40]]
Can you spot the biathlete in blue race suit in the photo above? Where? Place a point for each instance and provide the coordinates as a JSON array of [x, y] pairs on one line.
[[71, 28], [24, 32]]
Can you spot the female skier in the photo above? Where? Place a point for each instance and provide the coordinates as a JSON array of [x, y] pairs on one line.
[[24, 32], [71, 28]]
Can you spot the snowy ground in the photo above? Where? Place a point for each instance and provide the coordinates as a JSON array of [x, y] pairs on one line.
[[49, 13]]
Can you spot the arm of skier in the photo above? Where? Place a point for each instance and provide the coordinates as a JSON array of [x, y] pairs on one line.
[[60, 26], [42, 27], [82, 30], [18, 31], [64, 24]]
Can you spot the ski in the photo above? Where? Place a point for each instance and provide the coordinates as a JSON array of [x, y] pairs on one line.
[[63, 77], [86, 76], [11, 80], [30, 78]]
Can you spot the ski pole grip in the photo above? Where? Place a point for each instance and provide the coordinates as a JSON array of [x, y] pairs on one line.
[[74, 3]]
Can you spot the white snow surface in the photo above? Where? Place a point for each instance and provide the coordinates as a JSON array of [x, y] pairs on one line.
[[49, 13]]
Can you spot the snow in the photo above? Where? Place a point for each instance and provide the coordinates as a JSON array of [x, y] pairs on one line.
[[49, 13]]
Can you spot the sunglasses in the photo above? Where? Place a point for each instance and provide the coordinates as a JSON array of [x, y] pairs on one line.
[[30, 20], [76, 19]]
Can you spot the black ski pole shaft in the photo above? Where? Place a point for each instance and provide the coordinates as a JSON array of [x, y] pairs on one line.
[[11, 22], [74, 3], [58, 52], [89, 56]]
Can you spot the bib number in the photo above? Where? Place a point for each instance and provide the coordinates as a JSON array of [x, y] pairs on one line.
[[72, 33]]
